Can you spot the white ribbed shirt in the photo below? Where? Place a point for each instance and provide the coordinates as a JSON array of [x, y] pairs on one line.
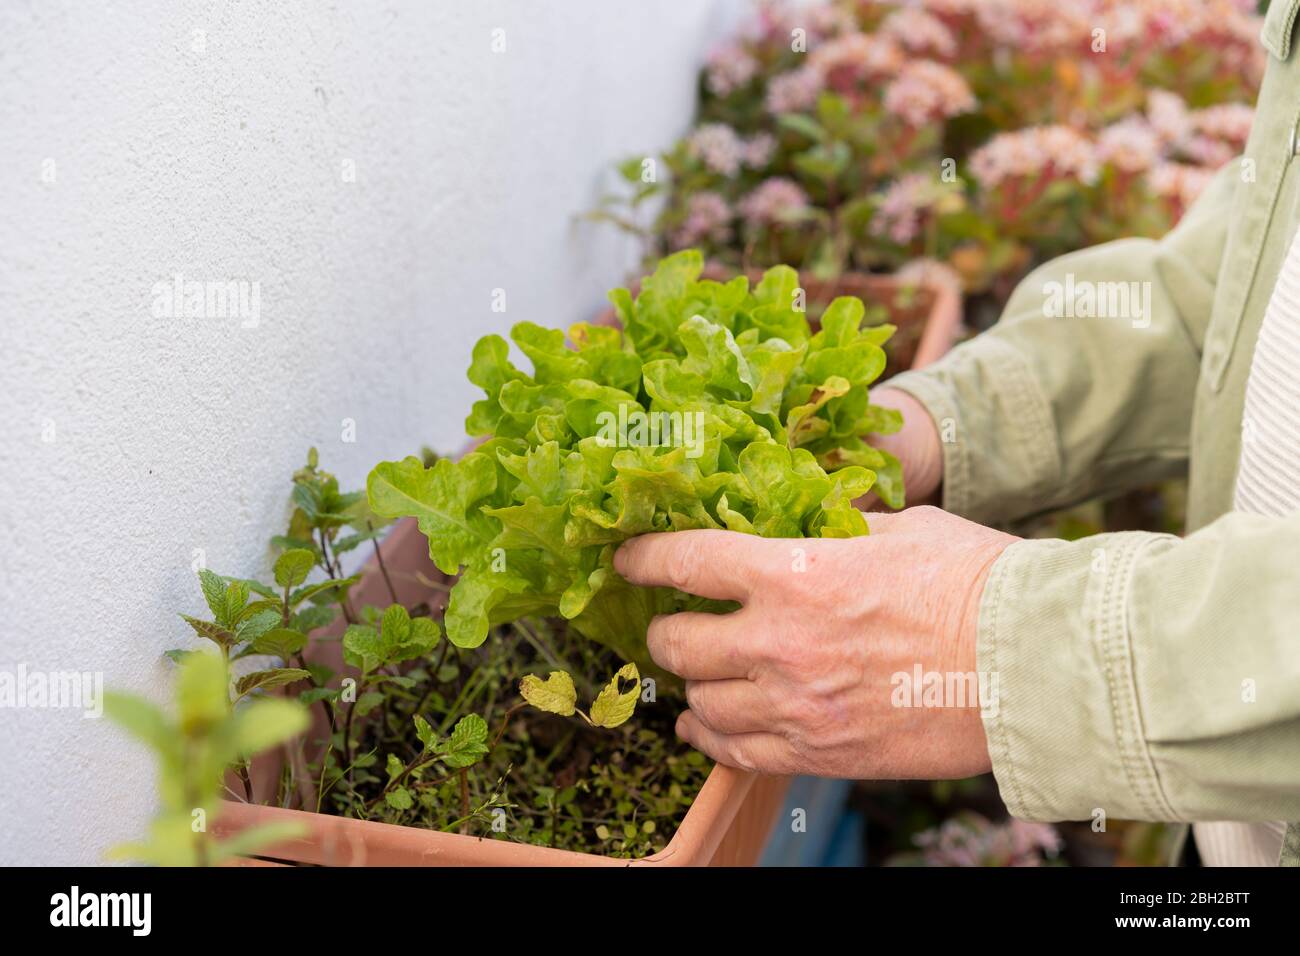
[[1268, 483]]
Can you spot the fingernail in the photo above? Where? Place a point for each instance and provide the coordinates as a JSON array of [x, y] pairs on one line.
[[680, 727]]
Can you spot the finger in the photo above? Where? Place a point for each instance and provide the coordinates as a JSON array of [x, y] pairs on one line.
[[712, 564], [759, 753], [700, 646], [878, 522], [730, 706]]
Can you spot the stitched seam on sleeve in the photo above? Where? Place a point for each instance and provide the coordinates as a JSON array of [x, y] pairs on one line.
[[1016, 803], [1161, 799], [963, 492], [1112, 622]]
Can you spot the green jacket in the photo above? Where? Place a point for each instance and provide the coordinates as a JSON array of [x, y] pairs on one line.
[[1144, 675]]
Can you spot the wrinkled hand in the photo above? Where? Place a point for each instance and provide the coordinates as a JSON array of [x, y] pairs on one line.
[[916, 446], [801, 678]]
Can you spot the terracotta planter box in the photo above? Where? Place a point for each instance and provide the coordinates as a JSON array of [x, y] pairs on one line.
[[727, 825], [731, 818]]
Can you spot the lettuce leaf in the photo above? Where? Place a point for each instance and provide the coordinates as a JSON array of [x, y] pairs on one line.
[[714, 406]]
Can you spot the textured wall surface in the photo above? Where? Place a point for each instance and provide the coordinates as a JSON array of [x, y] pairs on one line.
[[148, 139]]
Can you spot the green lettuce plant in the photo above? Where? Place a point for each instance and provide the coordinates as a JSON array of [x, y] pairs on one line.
[[715, 405]]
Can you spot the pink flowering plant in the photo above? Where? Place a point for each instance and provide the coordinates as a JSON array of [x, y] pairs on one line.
[[1053, 188], [805, 125], [970, 840], [987, 135], [1088, 63]]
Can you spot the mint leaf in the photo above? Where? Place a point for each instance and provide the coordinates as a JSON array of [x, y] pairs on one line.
[[265, 680], [292, 567], [399, 799], [467, 743], [394, 767], [214, 593], [213, 632]]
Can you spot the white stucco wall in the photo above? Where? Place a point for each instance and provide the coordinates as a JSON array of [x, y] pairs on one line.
[[135, 440]]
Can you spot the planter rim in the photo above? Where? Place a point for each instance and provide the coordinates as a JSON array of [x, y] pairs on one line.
[[331, 840]]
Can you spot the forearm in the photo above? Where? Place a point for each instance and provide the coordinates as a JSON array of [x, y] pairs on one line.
[[916, 445], [1146, 676]]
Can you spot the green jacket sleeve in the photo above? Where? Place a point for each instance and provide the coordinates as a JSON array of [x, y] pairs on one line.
[[1147, 676], [1051, 406]]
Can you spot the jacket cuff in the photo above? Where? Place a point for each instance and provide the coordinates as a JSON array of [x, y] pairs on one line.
[[1066, 737], [1000, 450]]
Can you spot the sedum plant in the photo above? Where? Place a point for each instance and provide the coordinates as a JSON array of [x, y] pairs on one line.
[[987, 135], [716, 405]]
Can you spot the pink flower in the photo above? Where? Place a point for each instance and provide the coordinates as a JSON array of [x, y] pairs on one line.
[[919, 32], [1042, 27], [708, 219], [1032, 838], [775, 25], [718, 147], [971, 840], [1207, 151], [759, 150], [854, 58], [1229, 122], [1168, 116], [825, 19], [1226, 29], [903, 209], [1131, 145], [926, 92], [1179, 182], [1038, 150], [794, 91], [900, 211], [728, 69], [951, 9], [775, 200]]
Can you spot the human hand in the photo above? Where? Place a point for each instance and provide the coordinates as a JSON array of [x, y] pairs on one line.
[[802, 679], [916, 445]]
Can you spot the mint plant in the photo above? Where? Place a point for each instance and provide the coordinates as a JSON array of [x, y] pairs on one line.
[[409, 739], [194, 748], [714, 406]]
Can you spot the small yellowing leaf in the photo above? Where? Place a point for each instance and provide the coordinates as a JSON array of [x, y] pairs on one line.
[[611, 708], [555, 695]]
